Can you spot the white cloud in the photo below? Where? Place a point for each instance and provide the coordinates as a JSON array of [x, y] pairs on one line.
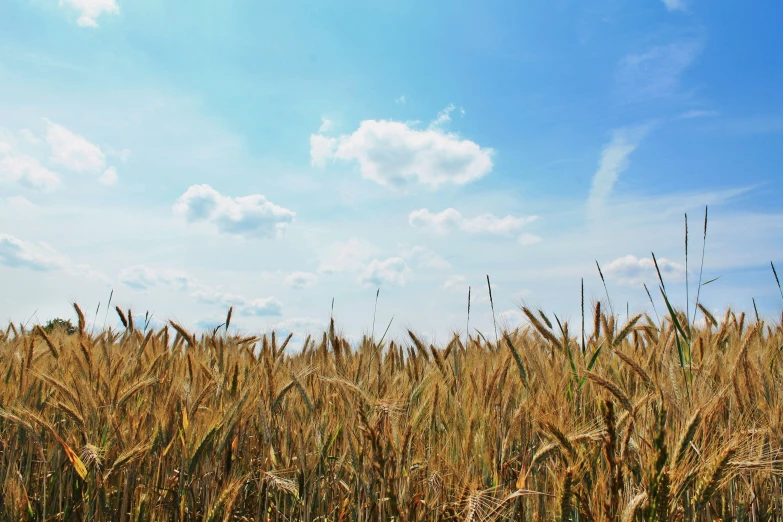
[[326, 125], [529, 239], [16, 253], [90, 10], [299, 326], [633, 271], [401, 99], [143, 278], [423, 257], [348, 256], [451, 220], [394, 154], [321, 149], [29, 137], [109, 177], [257, 307], [656, 72], [443, 117], [512, 318], [123, 154], [675, 5], [614, 161], [689, 115], [20, 203], [250, 216], [362, 259], [393, 271], [300, 280], [74, 151], [456, 282], [26, 170], [41, 257]]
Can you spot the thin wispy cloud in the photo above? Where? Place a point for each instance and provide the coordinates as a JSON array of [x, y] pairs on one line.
[[20, 204], [675, 5], [250, 216], [326, 125], [528, 239], [41, 257], [300, 280], [144, 278], [615, 159], [694, 114], [456, 282], [347, 256], [443, 118], [29, 136], [656, 72], [423, 257]]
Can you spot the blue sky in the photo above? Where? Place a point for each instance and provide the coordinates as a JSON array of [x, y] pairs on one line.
[[271, 156]]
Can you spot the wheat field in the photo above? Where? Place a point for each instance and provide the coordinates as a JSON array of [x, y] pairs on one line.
[[639, 420]]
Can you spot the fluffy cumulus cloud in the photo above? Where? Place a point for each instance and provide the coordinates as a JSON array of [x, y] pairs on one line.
[[396, 155], [633, 271], [393, 271], [74, 151], [451, 220], [321, 149], [90, 10], [144, 278], [25, 170], [249, 216], [299, 280]]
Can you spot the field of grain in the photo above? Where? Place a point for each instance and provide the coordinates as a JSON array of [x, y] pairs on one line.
[[640, 420]]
